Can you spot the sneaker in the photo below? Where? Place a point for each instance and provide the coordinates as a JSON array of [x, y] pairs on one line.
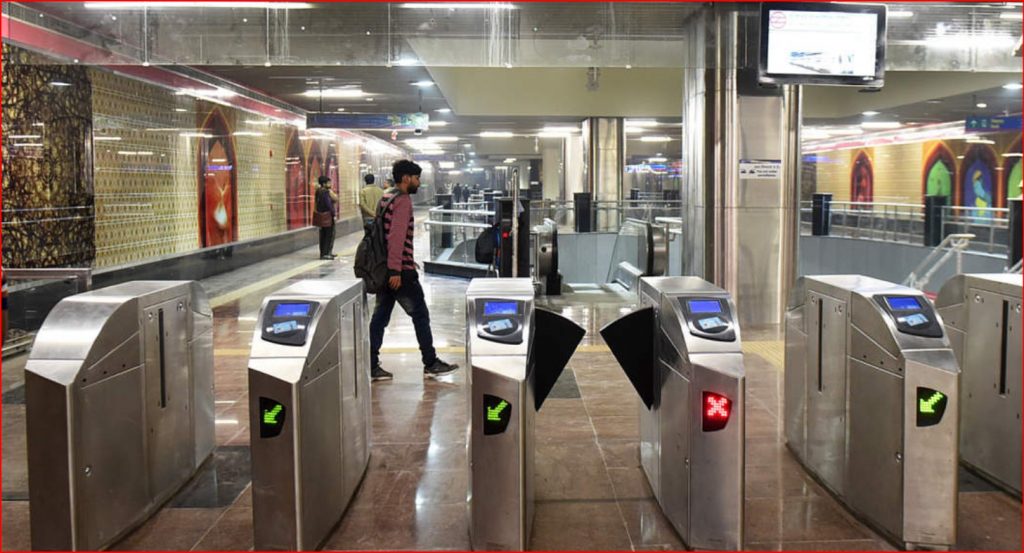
[[439, 368], [378, 373]]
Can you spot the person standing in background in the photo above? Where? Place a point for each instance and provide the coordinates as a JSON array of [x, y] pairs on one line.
[[324, 217], [369, 199]]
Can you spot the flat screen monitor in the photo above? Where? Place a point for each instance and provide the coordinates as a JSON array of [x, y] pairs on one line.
[[291, 310], [830, 44], [903, 303], [492, 308], [704, 306]]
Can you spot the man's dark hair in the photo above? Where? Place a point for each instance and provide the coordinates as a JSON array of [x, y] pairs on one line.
[[324, 179], [369, 179], [404, 167]]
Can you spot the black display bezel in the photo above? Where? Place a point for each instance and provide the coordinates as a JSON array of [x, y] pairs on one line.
[[932, 330], [296, 337], [727, 335], [876, 81], [515, 336]]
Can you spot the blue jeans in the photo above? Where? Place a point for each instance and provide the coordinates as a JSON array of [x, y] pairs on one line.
[[410, 297]]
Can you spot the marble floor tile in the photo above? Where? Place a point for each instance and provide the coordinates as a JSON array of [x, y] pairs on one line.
[[579, 526], [170, 530], [800, 519], [571, 471], [647, 526]]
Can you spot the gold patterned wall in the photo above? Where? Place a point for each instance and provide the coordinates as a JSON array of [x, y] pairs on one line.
[[261, 192], [146, 202], [48, 212], [899, 170]]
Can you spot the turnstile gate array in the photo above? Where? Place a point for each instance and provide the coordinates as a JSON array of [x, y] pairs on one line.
[[681, 350], [309, 411], [119, 409], [982, 314], [871, 400], [516, 353]]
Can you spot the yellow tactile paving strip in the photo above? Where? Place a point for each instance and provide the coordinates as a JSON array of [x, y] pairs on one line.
[[773, 351]]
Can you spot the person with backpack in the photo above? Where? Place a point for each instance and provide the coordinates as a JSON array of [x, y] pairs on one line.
[[395, 219], [323, 217]]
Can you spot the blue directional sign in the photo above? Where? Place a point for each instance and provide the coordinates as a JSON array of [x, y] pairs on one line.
[[992, 123], [368, 121]]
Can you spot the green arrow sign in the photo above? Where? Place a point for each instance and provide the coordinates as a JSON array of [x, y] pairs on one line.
[[270, 415], [494, 413], [927, 406]]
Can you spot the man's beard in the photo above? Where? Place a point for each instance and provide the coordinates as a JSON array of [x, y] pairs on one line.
[[414, 188]]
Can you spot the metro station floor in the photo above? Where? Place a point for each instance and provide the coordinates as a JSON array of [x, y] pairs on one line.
[[591, 492]]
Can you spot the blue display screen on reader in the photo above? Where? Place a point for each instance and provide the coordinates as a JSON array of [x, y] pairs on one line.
[[909, 303], [499, 308], [704, 306], [291, 310]]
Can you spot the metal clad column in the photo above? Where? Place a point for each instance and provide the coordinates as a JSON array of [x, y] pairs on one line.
[[741, 231], [605, 165]]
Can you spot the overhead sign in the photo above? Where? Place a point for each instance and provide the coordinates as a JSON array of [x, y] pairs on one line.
[[497, 413], [760, 169], [993, 123], [368, 121]]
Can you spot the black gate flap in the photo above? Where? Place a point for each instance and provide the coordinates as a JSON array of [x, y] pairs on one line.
[[631, 339], [554, 341]]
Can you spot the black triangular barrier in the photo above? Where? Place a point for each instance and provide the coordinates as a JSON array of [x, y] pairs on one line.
[[554, 340], [631, 339]]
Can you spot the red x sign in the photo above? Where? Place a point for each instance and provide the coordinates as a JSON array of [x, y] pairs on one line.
[[716, 411]]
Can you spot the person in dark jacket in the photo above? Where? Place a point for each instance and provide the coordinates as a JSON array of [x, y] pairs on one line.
[[325, 199], [403, 280]]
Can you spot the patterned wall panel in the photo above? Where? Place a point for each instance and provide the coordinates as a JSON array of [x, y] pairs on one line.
[[349, 178], [48, 209], [146, 205], [261, 175]]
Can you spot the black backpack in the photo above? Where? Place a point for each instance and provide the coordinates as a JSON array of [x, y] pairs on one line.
[[371, 263]]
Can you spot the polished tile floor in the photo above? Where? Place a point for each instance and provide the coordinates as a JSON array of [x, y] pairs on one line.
[[591, 492]]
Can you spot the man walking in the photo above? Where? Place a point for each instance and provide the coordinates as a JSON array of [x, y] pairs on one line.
[[369, 199], [403, 280]]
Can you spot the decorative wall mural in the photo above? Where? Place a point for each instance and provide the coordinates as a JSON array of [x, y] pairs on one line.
[[862, 179], [48, 200], [218, 178], [314, 168], [1012, 172], [334, 174], [977, 181], [296, 192], [939, 171]]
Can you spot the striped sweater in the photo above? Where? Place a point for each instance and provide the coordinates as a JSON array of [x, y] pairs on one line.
[[398, 227]]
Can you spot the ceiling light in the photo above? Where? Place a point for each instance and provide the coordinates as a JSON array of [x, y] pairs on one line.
[[549, 134], [657, 160], [634, 130], [106, 138], [881, 125], [496, 134], [560, 129], [454, 172], [981, 105], [655, 138], [59, 83], [1013, 154], [247, 133], [443, 110], [141, 5], [900, 14], [446, 164], [423, 84], [850, 131], [23, 136], [267, 63], [28, 145], [869, 113], [443, 138], [199, 135], [406, 61], [180, 110], [205, 92], [641, 123], [457, 6], [509, 160], [1014, 16], [814, 134], [335, 93], [1013, 86], [437, 124], [980, 141], [341, 109]]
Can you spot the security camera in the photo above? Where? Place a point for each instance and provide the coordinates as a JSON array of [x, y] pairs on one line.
[[417, 132]]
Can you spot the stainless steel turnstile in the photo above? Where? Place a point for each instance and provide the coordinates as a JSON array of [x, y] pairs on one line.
[[871, 388], [982, 314], [119, 409], [516, 353], [681, 350], [309, 410]]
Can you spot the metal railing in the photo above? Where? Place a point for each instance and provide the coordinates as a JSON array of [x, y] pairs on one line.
[[608, 216], [951, 247], [17, 339], [905, 223]]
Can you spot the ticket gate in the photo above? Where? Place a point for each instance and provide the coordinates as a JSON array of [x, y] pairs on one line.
[[681, 351], [119, 409], [516, 353], [872, 395], [982, 314], [309, 411]]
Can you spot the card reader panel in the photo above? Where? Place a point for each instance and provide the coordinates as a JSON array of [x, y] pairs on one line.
[[708, 318], [286, 322], [500, 320]]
